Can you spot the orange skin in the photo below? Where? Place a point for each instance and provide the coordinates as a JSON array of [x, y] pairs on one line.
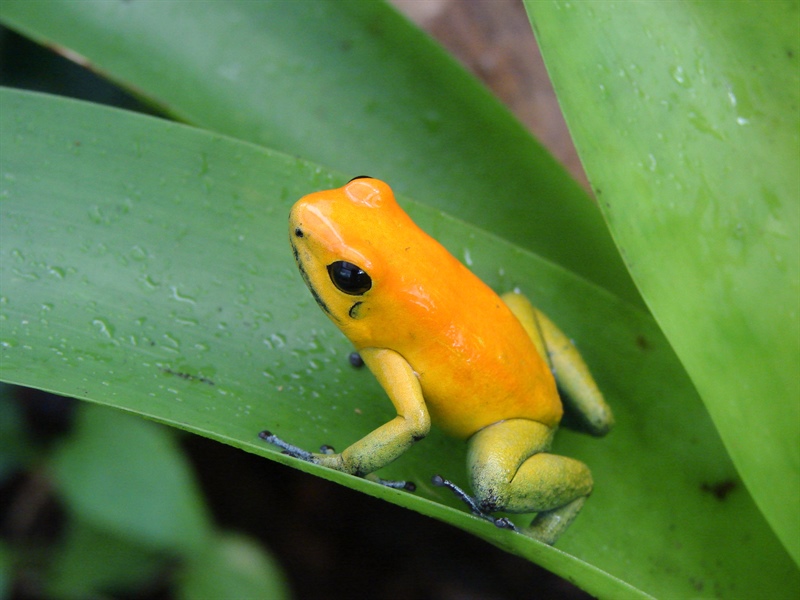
[[447, 350], [474, 360]]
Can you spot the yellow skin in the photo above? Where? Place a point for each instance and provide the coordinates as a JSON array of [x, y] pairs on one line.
[[447, 350]]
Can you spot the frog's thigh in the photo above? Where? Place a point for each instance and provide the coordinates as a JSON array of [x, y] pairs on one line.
[[575, 383], [511, 471]]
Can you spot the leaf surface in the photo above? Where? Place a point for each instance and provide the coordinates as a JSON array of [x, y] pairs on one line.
[[349, 84], [687, 118], [145, 265]]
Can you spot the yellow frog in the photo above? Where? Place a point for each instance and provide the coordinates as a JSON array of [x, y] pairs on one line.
[[448, 351]]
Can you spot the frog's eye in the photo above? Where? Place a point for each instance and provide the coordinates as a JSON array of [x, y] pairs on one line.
[[349, 278], [360, 177]]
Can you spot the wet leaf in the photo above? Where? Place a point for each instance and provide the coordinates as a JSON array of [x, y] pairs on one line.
[[686, 118], [349, 84], [145, 266]]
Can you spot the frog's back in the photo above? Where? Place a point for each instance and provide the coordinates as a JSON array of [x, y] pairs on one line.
[[476, 363], [478, 366]]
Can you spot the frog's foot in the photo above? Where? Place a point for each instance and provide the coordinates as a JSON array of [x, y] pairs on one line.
[[289, 449], [392, 483], [472, 503], [325, 450]]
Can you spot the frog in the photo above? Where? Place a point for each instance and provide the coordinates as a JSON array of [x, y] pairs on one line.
[[489, 369]]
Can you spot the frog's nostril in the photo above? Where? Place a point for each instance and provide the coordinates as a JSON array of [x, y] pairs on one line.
[[298, 232]]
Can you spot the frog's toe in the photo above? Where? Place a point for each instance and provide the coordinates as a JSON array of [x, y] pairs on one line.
[[440, 481], [505, 523], [472, 503], [409, 486], [289, 449]]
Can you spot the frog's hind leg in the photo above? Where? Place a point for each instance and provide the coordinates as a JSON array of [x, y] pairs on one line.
[[511, 471], [578, 390]]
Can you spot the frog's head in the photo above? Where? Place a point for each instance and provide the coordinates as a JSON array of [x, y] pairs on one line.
[[345, 241]]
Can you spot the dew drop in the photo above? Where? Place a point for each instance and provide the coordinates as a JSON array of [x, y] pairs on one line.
[[57, 272], [96, 215], [149, 282], [185, 321], [172, 343], [138, 253], [467, 257], [679, 76], [104, 327], [181, 297], [25, 276], [278, 341]]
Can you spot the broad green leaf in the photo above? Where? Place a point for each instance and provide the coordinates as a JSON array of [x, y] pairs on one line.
[[127, 477], [233, 567], [345, 83], [16, 449], [145, 266], [686, 116], [90, 560]]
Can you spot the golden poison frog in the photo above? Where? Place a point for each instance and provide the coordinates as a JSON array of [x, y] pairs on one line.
[[449, 351]]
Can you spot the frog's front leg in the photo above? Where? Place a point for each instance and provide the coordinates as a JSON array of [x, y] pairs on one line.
[[511, 471], [385, 444]]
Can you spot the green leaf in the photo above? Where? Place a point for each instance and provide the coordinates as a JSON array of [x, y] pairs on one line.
[[347, 84], [127, 478], [686, 118], [6, 570], [233, 567], [145, 266], [92, 560], [16, 449]]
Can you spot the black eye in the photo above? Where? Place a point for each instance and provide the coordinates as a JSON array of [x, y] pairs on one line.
[[360, 177], [349, 278]]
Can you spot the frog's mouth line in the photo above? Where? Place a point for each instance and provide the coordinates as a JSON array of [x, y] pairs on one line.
[[304, 274]]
